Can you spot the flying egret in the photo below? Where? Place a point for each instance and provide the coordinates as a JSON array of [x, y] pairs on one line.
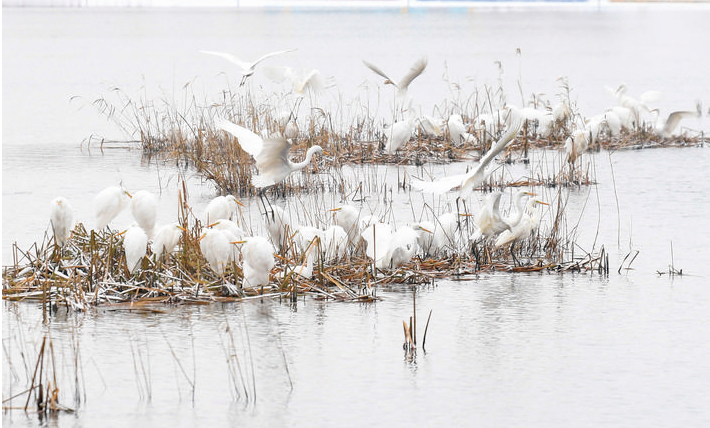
[[144, 208], [109, 203], [166, 239], [301, 80], [271, 155], [221, 207], [665, 127], [258, 256], [247, 68], [416, 69], [476, 176], [61, 220], [135, 245], [216, 248]]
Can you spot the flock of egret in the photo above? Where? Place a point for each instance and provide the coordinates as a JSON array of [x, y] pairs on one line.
[[389, 246]]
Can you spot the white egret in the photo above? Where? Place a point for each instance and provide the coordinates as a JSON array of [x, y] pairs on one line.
[[271, 155], [61, 220], [221, 207], [489, 221], [135, 245], [109, 203], [144, 208], [400, 133], [233, 232], [425, 237], [388, 248], [335, 242], [457, 131], [258, 256], [476, 176], [304, 235], [301, 80], [166, 239], [247, 68], [576, 144], [402, 247], [665, 127], [278, 226], [347, 217], [378, 237], [216, 248], [561, 111], [431, 127], [445, 227], [527, 224], [402, 85], [636, 105]]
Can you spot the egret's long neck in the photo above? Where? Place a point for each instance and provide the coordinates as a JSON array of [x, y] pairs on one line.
[[309, 155], [519, 208]]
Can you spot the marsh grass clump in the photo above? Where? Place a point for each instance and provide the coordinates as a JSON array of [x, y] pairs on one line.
[[351, 131]]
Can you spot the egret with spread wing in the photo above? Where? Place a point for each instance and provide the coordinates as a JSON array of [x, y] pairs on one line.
[[247, 68], [271, 155]]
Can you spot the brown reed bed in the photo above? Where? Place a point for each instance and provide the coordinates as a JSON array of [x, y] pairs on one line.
[[349, 132], [91, 271]]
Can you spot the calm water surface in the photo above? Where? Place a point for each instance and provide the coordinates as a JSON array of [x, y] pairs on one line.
[[630, 349]]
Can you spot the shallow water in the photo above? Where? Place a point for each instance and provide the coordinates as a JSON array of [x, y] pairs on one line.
[[630, 349]]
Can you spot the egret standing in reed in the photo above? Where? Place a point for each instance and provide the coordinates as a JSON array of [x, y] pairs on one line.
[[347, 217], [258, 255], [166, 239], [144, 208], [271, 155], [476, 176], [216, 248], [135, 245], [278, 226], [109, 203], [221, 207], [61, 220], [400, 133], [246, 68], [528, 223]]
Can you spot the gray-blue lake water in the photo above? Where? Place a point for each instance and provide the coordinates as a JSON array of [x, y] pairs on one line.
[[543, 349]]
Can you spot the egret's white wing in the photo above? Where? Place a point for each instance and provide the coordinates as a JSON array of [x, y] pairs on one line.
[[269, 55], [229, 57], [675, 118], [417, 69], [650, 97], [311, 81], [440, 185], [273, 162], [475, 177], [376, 70], [249, 141], [278, 74], [378, 237]]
